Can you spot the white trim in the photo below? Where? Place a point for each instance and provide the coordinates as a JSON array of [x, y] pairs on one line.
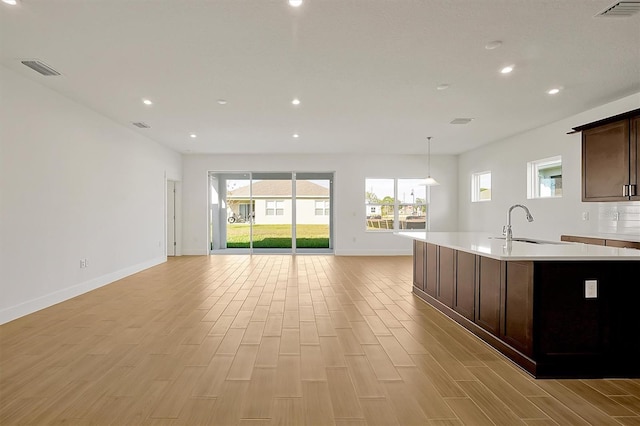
[[14, 312], [375, 252], [198, 252]]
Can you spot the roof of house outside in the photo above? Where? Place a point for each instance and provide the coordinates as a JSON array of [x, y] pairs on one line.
[[280, 188]]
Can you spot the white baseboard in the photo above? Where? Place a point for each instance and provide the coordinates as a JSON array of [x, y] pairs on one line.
[[14, 312], [381, 252], [194, 252]]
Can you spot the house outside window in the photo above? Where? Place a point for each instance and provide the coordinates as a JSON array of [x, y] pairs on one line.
[[322, 207], [274, 208]]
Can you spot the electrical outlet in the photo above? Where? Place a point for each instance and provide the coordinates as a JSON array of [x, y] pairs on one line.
[[83, 263], [591, 289], [616, 216], [585, 215]]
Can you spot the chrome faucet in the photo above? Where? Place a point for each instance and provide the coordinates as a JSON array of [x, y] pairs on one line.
[[506, 230]]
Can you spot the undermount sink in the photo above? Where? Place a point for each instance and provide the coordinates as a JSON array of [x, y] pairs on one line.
[[529, 240]]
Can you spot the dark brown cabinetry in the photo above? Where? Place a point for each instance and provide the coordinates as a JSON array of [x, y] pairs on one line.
[[517, 306], [601, 241], [431, 271], [419, 264], [537, 313], [446, 275], [488, 298], [464, 297], [610, 158]]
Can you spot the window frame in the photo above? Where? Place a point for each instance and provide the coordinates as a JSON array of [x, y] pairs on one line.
[[396, 206], [533, 176], [476, 188]]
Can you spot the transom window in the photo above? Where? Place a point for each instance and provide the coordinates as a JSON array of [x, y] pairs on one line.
[[481, 186], [544, 178]]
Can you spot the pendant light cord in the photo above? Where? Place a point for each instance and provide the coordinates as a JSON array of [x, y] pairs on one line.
[[429, 156]]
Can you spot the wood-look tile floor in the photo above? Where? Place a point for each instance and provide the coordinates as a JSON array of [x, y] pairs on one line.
[[252, 340]]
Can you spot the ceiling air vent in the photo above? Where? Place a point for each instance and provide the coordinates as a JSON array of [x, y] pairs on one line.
[[461, 121], [622, 8], [41, 67], [141, 125]]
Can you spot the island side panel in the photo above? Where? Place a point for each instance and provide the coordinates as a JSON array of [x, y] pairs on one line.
[[588, 335]]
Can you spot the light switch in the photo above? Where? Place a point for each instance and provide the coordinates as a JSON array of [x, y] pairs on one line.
[[591, 289]]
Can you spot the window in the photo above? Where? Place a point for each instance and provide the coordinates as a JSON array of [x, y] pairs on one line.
[[481, 186], [544, 178], [322, 207], [274, 207], [395, 204]]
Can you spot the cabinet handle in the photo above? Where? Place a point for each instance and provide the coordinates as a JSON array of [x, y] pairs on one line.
[[632, 190], [625, 190]]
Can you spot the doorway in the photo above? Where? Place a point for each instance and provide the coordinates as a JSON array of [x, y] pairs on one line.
[[271, 212], [171, 218]]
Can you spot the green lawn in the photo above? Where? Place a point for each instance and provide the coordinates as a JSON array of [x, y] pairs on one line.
[[277, 236]]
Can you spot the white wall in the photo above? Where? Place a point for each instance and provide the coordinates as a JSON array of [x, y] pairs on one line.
[[507, 160], [73, 185], [350, 172]]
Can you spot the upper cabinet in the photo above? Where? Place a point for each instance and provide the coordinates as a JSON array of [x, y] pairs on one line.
[[611, 159]]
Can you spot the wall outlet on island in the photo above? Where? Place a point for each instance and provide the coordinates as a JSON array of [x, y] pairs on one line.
[[591, 289], [585, 215]]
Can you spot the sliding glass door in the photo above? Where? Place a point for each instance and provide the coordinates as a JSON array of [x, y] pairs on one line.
[[270, 212]]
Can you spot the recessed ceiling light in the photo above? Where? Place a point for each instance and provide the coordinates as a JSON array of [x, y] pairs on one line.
[[507, 70], [222, 102], [147, 102], [296, 136], [443, 86], [10, 2], [295, 3], [554, 91], [493, 45], [295, 101], [193, 136]]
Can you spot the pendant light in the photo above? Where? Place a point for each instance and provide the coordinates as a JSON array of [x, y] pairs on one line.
[[429, 181]]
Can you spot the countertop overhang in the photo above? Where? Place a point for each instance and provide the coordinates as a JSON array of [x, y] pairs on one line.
[[494, 246]]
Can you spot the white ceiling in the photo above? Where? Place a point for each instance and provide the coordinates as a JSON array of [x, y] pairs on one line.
[[365, 71]]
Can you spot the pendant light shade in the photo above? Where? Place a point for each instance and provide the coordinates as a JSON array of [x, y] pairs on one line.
[[429, 181]]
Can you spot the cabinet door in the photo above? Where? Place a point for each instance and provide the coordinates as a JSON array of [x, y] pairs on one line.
[[488, 301], [446, 275], [517, 306], [464, 298], [431, 271], [419, 259], [635, 158], [605, 162]]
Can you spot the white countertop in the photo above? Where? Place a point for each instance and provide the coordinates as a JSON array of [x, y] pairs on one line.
[[490, 245]]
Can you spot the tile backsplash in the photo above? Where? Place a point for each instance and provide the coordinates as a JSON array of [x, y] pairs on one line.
[[619, 218]]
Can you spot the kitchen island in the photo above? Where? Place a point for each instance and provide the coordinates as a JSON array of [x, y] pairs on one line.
[[556, 309]]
